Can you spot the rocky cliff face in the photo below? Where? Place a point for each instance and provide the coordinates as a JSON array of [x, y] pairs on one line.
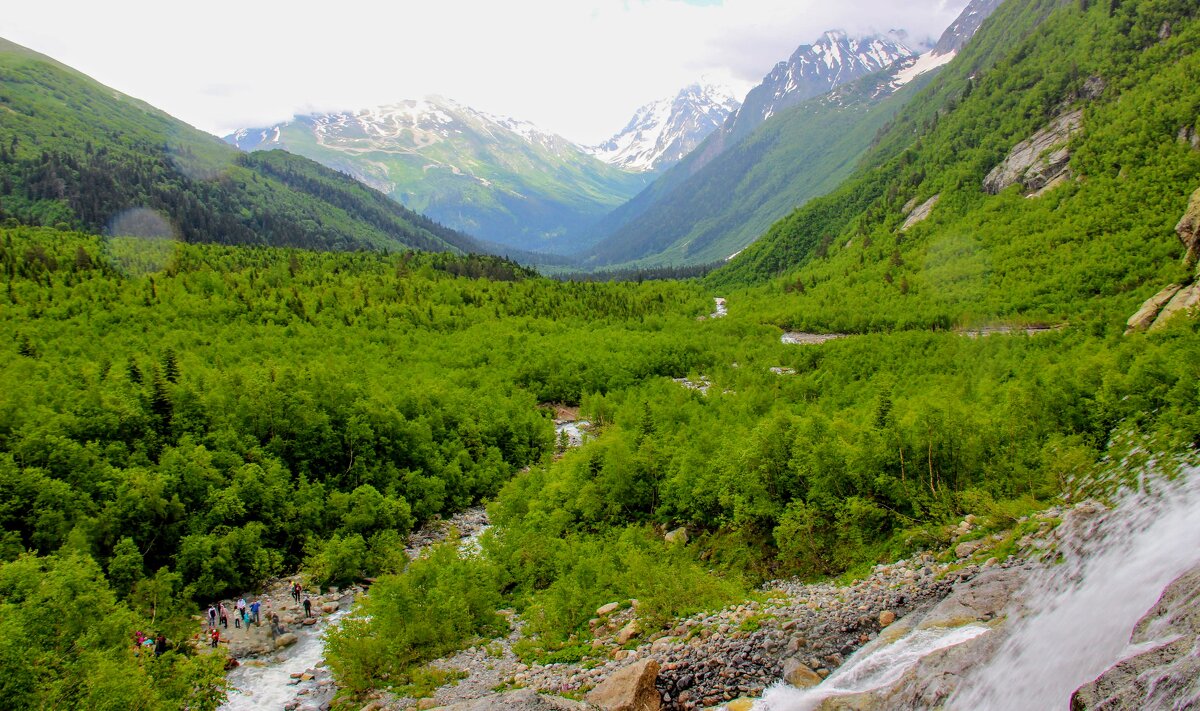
[[1166, 676], [1041, 161]]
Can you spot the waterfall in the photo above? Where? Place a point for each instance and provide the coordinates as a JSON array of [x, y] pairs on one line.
[[1073, 620], [1079, 615]]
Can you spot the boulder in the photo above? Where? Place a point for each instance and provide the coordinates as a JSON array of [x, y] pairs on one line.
[[798, 674], [966, 548], [922, 213], [886, 618], [679, 535], [628, 632], [329, 607], [608, 609], [1168, 674], [1146, 315], [1188, 229], [523, 699], [1039, 160], [285, 640], [629, 689]]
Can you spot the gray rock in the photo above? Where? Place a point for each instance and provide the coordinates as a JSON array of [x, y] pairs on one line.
[[1184, 301], [921, 213], [520, 700], [1166, 676], [1039, 160], [1188, 229], [1146, 315]]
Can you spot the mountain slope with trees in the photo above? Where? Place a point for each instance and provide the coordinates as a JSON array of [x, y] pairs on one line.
[[78, 154]]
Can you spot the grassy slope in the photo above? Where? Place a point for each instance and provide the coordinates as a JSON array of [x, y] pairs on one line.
[[79, 153]]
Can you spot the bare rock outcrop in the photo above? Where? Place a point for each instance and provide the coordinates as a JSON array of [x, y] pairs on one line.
[[1145, 316], [1166, 676], [1184, 300], [1188, 230], [922, 213], [1041, 161]]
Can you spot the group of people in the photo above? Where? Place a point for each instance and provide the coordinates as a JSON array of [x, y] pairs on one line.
[[144, 642], [245, 614]]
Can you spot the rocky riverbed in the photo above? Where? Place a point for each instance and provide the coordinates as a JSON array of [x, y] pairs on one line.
[[790, 631]]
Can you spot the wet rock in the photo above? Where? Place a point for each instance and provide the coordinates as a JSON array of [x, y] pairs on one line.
[[285, 640], [1165, 676], [630, 689], [799, 675]]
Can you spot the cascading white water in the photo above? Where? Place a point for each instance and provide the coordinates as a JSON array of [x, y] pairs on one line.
[[1079, 615], [270, 686], [869, 668], [1076, 617]]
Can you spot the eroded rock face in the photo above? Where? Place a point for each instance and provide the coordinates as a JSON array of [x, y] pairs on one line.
[[1040, 161], [1188, 229], [630, 689], [922, 213], [1167, 676], [1145, 316], [1184, 300]]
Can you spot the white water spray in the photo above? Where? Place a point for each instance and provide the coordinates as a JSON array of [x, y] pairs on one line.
[[1075, 618], [1079, 615]]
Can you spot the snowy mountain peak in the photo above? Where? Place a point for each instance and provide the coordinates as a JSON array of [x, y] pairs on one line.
[[662, 132], [836, 58]]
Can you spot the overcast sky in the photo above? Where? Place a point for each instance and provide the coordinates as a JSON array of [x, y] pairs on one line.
[[576, 67]]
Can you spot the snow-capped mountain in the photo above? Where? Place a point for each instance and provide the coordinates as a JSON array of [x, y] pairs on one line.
[[661, 133], [812, 70], [494, 177]]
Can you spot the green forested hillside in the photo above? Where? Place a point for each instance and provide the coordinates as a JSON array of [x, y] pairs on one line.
[[182, 421], [78, 154], [706, 217], [1106, 233]]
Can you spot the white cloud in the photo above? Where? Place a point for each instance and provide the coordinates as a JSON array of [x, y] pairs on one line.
[[576, 67]]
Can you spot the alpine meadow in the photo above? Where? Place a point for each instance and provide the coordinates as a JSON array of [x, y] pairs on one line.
[[870, 454]]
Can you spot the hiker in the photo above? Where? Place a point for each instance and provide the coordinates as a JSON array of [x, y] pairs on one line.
[[216, 637], [307, 607], [224, 614], [254, 607], [296, 592], [241, 604], [212, 616], [160, 644], [237, 618]]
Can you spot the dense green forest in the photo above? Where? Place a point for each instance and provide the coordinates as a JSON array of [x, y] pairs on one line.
[[184, 421]]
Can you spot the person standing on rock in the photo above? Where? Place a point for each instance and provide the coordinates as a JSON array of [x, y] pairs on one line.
[[212, 616], [307, 606], [216, 637], [254, 607], [223, 612]]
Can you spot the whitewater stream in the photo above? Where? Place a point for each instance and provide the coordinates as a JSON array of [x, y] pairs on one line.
[[263, 684], [268, 683], [1075, 618]]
